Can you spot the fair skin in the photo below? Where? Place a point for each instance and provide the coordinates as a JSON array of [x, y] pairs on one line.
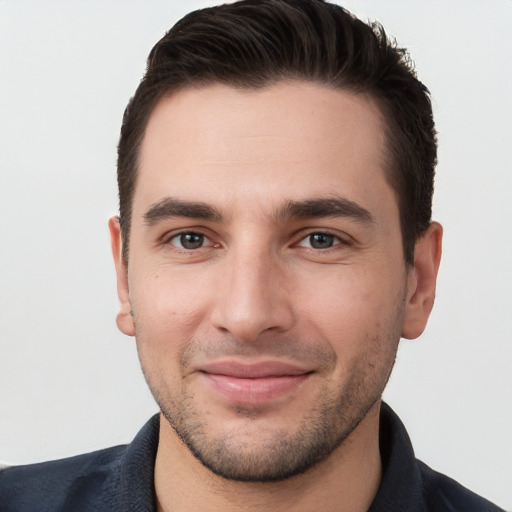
[[267, 290]]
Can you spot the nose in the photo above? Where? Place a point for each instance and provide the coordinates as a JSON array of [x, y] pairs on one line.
[[254, 297]]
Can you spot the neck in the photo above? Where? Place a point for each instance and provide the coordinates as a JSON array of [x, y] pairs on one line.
[[347, 480]]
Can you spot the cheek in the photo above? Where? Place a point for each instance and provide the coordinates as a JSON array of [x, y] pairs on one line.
[[168, 312], [350, 307], [341, 298], [172, 299]]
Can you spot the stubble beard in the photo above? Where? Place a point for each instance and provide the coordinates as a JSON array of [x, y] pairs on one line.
[[283, 454]]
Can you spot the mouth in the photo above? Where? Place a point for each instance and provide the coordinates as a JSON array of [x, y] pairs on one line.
[[253, 384]]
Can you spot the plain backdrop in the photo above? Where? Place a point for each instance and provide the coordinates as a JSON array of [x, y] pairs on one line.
[[69, 382]]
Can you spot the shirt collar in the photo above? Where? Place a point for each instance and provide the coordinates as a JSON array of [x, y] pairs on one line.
[[137, 470], [400, 489], [401, 486]]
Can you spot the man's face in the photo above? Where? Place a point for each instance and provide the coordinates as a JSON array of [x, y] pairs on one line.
[[266, 276]]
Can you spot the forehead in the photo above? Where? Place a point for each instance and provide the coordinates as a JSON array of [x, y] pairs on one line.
[[220, 145]]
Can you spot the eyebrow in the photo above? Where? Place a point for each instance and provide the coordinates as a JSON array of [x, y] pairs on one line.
[[170, 207], [325, 207]]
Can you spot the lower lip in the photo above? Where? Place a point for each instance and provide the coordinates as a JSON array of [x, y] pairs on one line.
[[256, 391]]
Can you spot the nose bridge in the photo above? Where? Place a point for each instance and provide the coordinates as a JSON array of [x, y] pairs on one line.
[[253, 299]]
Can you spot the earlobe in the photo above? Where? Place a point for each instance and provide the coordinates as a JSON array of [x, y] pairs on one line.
[[124, 317], [422, 281]]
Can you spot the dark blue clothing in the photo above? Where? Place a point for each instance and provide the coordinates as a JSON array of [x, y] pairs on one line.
[[120, 479]]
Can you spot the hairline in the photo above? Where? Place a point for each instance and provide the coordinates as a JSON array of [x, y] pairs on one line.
[[389, 160]]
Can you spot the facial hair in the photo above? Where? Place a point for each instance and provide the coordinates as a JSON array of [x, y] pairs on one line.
[[281, 454]]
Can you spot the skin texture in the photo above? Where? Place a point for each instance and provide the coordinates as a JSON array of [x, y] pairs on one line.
[[266, 326]]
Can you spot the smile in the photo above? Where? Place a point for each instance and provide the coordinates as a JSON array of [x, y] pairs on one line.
[[254, 384]]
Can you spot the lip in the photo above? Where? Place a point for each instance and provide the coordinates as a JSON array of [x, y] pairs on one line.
[[255, 383]]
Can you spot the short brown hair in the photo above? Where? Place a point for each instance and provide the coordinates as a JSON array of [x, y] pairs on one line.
[[255, 43]]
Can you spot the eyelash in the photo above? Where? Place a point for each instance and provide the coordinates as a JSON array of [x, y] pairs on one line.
[[182, 234], [336, 240]]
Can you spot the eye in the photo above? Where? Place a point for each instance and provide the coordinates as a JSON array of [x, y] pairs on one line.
[[189, 240], [319, 241]]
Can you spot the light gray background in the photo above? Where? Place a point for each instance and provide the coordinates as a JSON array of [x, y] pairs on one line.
[[69, 382]]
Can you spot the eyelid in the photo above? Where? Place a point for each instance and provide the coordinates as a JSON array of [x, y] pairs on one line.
[[341, 238], [301, 237], [178, 236], [168, 237]]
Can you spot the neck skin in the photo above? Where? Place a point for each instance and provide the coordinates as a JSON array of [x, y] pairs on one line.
[[347, 480]]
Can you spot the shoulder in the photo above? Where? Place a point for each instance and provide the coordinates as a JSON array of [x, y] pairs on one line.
[[442, 493], [56, 485], [118, 478], [409, 485]]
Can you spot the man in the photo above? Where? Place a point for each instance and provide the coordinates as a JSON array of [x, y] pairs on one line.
[[274, 243]]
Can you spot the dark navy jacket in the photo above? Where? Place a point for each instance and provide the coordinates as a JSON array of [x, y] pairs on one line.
[[120, 479]]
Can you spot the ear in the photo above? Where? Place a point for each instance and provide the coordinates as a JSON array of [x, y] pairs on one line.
[[421, 286], [124, 318]]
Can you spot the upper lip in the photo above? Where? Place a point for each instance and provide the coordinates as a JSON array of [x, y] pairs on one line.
[[257, 370]]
